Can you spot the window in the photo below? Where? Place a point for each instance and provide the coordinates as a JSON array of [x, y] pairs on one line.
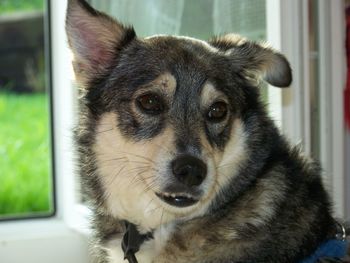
[[200, 19], [26, 185]]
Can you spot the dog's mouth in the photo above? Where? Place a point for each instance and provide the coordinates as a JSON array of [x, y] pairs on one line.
[[178, 200]]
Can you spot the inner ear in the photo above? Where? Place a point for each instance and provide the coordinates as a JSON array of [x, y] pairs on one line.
[[255, 60], [270, 65], [94, 37], [275, 68]]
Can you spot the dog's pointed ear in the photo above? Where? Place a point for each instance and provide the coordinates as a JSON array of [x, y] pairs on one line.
[[255, 61], [94, 39]]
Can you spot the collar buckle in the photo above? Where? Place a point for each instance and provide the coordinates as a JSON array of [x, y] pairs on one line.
[[341, 233]]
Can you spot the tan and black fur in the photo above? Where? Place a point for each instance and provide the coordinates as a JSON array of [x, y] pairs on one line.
[[173, 137]]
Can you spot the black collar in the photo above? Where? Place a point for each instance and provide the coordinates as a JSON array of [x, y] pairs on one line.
[[132, 240]]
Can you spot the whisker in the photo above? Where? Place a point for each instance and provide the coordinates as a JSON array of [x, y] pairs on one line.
[[124, 160], [155, 209], [111, 129], [150, 186], [172, 152], [161, 219], [227, 165], [132, 161], [115, 159], [106, 124], [138, 167], [139, 156], [149, 203], [137, 177], [116, 175]]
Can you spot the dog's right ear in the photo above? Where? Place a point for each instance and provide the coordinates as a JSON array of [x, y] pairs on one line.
[[94, 38], [255, 61]]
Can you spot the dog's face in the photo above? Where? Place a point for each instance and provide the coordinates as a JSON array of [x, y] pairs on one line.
[[167, 115]]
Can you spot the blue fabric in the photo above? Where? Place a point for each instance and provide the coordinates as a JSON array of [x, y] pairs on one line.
[[331, 249]]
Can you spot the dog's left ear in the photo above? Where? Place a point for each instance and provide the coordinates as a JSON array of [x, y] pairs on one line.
[[94, 38], [255, 61]]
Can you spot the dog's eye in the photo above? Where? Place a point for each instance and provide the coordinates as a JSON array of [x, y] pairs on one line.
[[150, 103], [217, 111]]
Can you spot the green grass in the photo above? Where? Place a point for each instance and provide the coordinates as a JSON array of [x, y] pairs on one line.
[[25, 177], [9, 6]]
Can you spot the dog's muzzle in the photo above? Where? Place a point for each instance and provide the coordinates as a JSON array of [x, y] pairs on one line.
[[188, 173]]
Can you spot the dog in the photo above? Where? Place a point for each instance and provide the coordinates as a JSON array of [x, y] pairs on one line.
[[178, 158]]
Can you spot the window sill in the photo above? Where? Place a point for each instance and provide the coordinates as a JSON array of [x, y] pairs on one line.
[[42, 241]]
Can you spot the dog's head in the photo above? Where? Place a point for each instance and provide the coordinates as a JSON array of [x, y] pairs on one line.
[[169, 118]]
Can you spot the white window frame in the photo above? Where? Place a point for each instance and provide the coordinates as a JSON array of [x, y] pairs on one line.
[[333, 73], [63, 238], [291, 107]]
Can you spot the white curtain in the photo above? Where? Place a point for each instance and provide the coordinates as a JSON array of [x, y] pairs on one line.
[[148, 17], [197, 18], [242, 17]]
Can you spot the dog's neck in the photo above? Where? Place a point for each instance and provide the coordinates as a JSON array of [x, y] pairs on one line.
[[138, 246], [132, 240]]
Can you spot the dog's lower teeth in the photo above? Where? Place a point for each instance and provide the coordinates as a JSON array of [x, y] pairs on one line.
[[177, 200], [179, 196]]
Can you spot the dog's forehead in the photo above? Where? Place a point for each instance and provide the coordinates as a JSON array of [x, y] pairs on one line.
[[181, 49], [190, 61], [182, 41]]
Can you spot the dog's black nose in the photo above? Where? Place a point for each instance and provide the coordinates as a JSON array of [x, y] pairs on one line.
[[189, 170]]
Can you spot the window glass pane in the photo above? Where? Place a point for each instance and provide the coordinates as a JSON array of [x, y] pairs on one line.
[[196, 18], [314, 91], [25, 153]]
